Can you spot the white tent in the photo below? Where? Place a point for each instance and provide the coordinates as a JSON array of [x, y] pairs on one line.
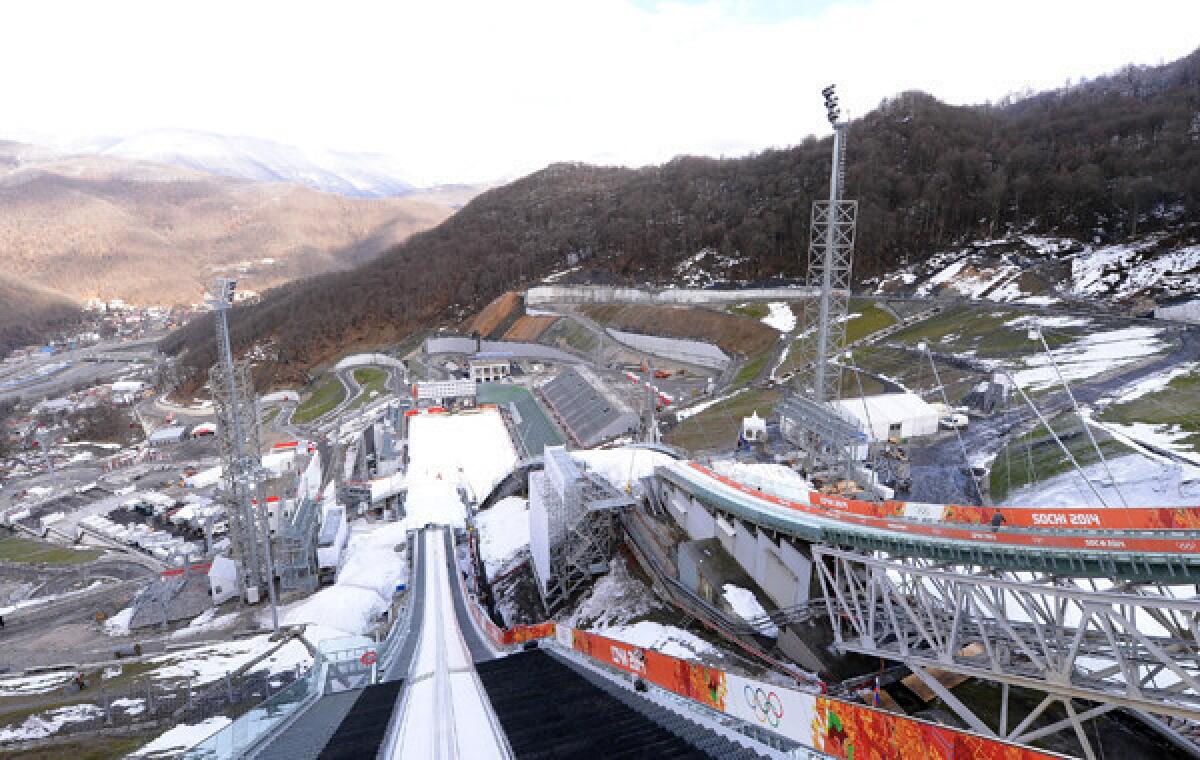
[[891, 415]]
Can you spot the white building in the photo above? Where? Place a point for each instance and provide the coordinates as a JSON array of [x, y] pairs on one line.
[[441, 390], [754, 428], [168, 435], [488, 368], [891, 415]]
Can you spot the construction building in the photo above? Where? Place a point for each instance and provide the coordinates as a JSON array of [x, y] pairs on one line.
[[488, 367]]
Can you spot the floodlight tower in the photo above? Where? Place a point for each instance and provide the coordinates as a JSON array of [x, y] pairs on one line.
[[830, 255], [237, 437]]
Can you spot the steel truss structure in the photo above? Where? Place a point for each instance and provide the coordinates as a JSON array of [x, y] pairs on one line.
[[1132, 645], [819, 376], [830, 259], [236, 406]]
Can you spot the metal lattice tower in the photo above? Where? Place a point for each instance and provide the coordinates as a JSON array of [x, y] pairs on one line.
[[830, 259], [236, 408], [828, 440]]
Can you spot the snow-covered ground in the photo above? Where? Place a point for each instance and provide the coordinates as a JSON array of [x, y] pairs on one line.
[[181, 737], [48, 598], [623, 468], [694, 409], [367, 578], [775, 479], [118, 624], [471, 449], [36, 684], [1153, 383], [1090, 355], [1144, 482], [669, 640], [503, 533], [614, 600], [1125, 269], [781, 317], [746, 606], [989, 269], [207, 622], [44, 724], [212, 662]]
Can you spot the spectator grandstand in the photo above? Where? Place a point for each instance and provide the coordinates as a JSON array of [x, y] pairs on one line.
[[590, 413]]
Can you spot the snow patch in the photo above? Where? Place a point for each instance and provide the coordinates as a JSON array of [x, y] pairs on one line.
[[746, 606], [37, 684], [45, 724], [1143, 482], [503, 533], [667, 639], [623, 468], [782, 318], [182, 737], [615, 599], [118, 624], [1091, 355]]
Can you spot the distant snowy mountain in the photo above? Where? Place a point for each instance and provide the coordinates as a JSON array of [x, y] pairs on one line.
[[350, 174]]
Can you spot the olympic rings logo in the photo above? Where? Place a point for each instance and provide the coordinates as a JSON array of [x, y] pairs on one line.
[[766, 705]]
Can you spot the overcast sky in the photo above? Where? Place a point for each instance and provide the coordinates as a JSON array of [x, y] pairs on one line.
[[480, 91]]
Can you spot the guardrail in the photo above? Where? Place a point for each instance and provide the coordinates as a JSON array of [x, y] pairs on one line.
[[240, 737]]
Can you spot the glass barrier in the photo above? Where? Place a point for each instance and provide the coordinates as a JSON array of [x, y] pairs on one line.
[[239, 736]]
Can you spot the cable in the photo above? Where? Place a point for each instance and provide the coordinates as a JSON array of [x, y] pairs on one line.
[[958, 434]]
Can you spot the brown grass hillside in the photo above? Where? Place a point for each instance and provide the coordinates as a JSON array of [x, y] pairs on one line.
[[501, 311], [101, 227], [27, 314]]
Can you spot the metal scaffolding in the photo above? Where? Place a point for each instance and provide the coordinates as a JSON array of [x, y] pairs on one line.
[[1121, 645], [581, 527]]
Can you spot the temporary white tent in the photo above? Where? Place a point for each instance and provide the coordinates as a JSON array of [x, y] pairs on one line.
[[892, 415]]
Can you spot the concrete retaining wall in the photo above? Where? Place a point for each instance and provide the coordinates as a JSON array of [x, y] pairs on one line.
[[548, 295]]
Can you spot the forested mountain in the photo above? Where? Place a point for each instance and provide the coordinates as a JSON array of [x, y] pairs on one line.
[[1110, 158]]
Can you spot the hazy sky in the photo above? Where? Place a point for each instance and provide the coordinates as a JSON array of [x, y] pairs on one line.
[[475, 91]]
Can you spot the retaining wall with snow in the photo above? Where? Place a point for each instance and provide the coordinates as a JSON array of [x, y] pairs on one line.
[[547, 295]]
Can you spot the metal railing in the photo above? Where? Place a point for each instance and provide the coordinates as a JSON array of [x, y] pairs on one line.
[[240, 737]]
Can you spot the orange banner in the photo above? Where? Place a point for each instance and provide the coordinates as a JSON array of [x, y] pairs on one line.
[[842, 729], [975, 524], [851, 731]]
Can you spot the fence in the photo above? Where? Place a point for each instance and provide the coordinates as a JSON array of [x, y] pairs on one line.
[[338, 664], [149, 701]]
